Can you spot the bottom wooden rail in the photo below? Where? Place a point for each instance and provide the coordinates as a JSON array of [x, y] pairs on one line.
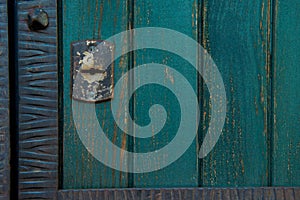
[[267, 193]]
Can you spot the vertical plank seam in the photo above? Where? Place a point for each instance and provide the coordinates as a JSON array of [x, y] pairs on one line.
[[130, 146], [60, 56], [199, 89], [202, 39], [272, 38], [269, 92]]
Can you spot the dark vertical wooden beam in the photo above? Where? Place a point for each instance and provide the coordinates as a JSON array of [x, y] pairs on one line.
[[13, 102], [286, 93], [38, 103], [4, 103]]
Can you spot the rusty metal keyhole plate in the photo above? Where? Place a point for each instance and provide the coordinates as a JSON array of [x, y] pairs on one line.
[[91, 71]]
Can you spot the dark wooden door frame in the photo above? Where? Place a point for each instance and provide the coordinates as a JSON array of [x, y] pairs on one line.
[[38, 129], [4, 104]]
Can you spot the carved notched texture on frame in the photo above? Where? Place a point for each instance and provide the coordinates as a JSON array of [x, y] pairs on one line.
[[38, 104]]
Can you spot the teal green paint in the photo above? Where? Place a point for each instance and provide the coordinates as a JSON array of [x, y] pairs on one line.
[[286, 93], [236, 35], [179, 16], [91, 19]]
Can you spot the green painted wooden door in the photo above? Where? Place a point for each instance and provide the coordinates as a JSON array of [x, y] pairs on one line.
[[256, 49]]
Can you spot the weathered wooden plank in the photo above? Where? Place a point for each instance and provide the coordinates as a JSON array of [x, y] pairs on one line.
[[82, 20], [286, 94], [180, 16], [237, 35], [38, 104], [182, 193], [4, 104]]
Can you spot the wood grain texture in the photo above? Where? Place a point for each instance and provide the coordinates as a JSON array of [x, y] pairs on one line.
[[237, 35], [4, 104], [286, 94], [179, 16], [240, 44], [82, 20], [183, 193], [38, 104]]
